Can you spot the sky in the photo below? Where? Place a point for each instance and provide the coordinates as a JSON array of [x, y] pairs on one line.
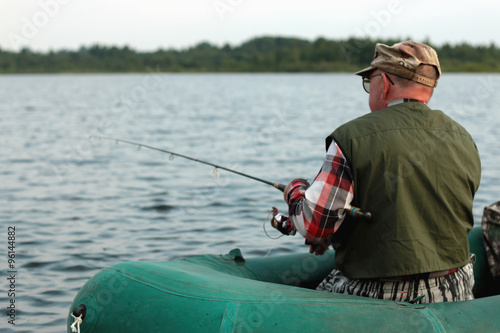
[[147, 25]]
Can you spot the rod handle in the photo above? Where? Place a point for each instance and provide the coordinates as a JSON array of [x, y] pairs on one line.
[[280, 186], [358, 213]]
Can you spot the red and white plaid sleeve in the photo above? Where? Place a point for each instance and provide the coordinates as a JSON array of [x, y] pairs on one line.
[[318, 210]]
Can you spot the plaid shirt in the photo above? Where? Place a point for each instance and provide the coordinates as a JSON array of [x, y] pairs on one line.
[[318, 210]]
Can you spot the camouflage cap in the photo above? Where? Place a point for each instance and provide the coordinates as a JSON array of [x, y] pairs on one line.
[[402, 59]]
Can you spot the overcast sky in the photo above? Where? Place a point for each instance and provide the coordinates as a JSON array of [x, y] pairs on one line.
[[147, 25]]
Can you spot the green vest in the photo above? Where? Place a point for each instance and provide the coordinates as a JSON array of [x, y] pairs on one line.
[[416, 170]]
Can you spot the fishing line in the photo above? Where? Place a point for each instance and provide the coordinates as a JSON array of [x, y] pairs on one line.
[[215, 173], [264, 226]]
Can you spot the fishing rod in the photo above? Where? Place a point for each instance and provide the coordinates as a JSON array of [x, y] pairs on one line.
[[277, 185], [354, 211]]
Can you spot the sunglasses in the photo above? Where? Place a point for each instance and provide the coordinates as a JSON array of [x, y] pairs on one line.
[[366, 81]]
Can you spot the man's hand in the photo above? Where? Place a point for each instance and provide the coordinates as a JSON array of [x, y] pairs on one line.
[[282, 223], [318, 248]]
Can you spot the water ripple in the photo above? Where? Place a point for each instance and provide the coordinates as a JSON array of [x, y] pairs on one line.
[[159, 208]]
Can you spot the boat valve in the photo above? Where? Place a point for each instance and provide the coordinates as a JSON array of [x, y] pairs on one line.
[[78, 314], [80, 310]]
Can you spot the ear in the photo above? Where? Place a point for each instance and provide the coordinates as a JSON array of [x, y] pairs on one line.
[[387, 86]]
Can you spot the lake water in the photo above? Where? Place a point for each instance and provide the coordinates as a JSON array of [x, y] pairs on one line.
[[80, 204]]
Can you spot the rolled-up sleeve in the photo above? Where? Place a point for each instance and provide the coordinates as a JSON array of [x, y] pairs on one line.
[[318, 210]]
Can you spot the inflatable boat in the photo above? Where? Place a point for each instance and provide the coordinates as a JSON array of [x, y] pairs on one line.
[[228, 293]]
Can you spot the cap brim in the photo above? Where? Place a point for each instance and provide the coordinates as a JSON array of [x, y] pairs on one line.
[[366, 71]]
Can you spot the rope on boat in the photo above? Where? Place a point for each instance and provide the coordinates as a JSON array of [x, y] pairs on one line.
[[77, 322]]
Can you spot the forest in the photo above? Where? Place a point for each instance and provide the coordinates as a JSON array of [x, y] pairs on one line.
[[260, 54]]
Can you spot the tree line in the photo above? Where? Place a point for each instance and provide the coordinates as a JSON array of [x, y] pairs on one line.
[[261, 54]]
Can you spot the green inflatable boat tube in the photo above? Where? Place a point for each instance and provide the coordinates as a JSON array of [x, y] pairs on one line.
[[228, 293]]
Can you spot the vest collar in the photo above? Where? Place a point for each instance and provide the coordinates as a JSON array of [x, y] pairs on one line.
[[403, 100]]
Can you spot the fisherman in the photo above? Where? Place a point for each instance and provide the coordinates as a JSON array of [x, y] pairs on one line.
[[415, 169]]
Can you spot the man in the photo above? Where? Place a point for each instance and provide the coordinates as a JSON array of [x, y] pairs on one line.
[[414, 169]]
